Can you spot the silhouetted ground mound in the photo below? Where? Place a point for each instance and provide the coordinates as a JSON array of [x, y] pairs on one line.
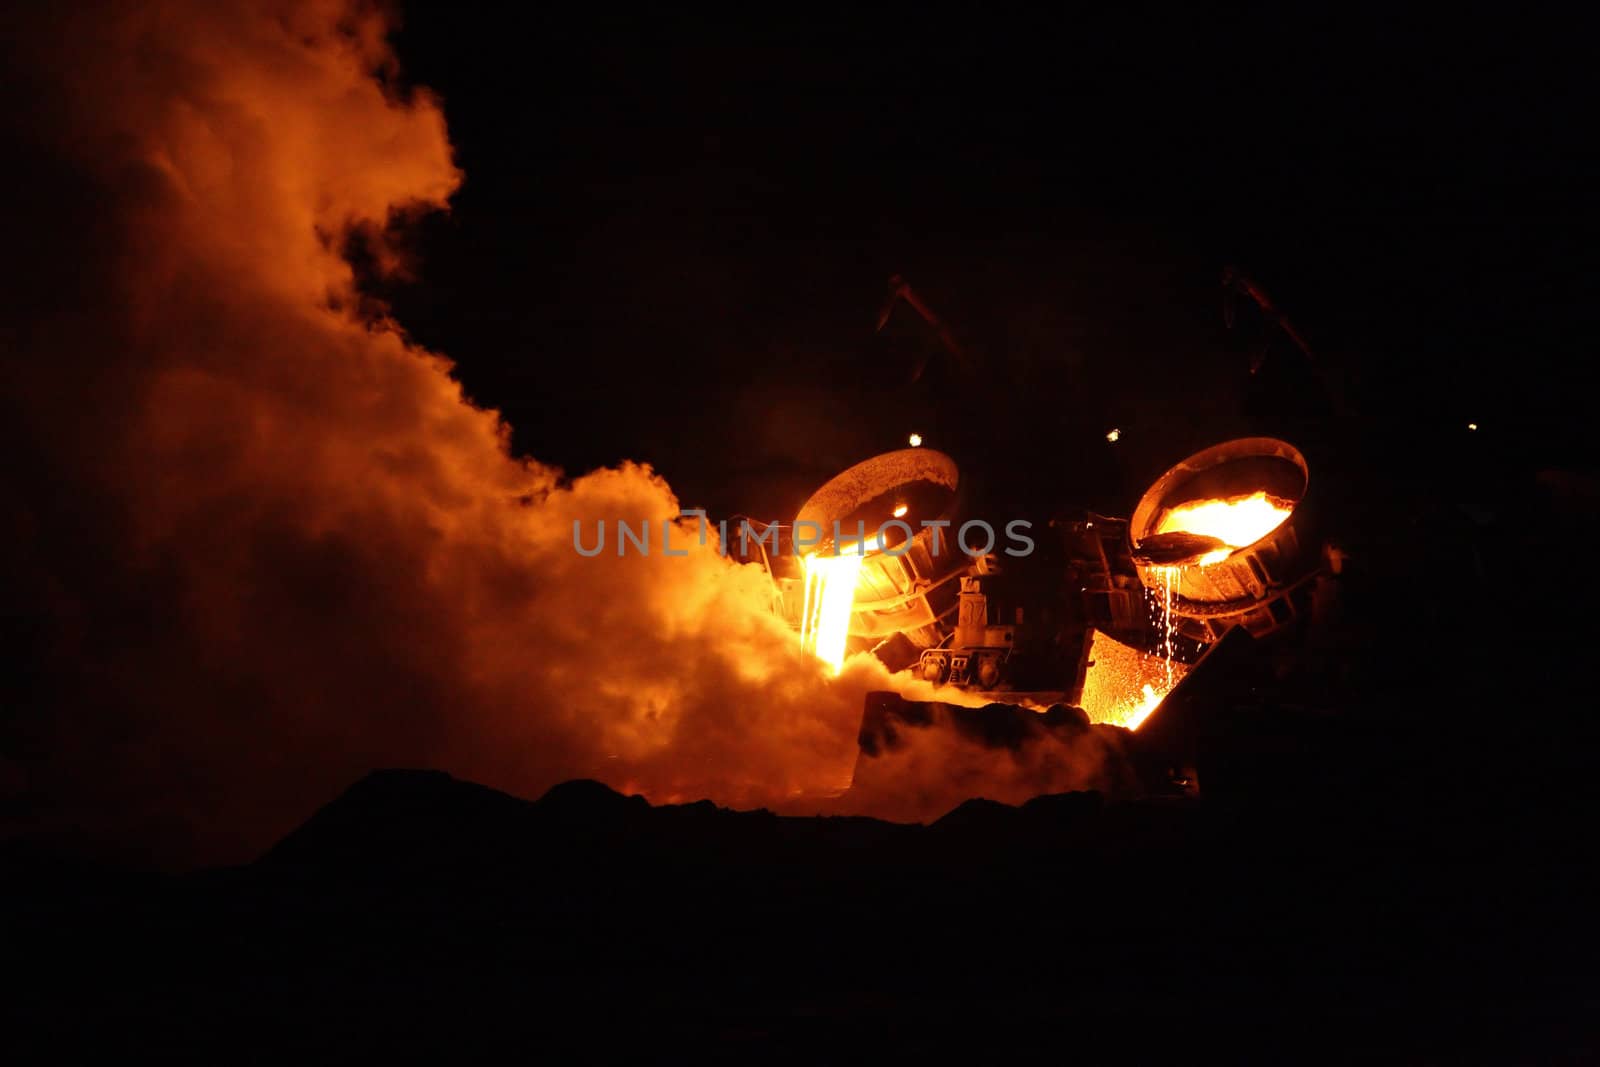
[[420, 915]]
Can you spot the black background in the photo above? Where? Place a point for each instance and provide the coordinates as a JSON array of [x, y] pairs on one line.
[[675, 232]]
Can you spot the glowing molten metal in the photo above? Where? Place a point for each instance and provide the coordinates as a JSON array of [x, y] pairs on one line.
[[830, 596], [1235, 521], [1139, 710]]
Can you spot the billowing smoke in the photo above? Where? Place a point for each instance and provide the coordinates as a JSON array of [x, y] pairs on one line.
[[262, 543], [920, 760]]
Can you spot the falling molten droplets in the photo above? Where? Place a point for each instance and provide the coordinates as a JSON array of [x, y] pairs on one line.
[[830, 596], [1169, 582], [1139, 708], [1235, 521]]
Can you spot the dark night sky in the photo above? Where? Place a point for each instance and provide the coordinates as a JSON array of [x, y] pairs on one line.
[[669, 226]]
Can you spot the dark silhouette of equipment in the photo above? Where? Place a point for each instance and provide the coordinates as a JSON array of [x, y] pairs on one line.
[[1236, 283], [900, 290]]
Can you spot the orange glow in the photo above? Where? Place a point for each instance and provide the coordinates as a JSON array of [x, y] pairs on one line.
[[830, 595], [1235, 521], [899, 511], [250, 386], [1124, 684], [1139, 710], [915, 440]]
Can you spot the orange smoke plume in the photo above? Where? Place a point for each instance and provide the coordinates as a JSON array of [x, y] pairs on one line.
[[273, 543]]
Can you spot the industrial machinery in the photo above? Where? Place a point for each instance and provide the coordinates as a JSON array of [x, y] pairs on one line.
[[1223, 540], [1022, 624], [999, 624], [1007, 637], [906, 583], [1117, 634], [1226, 533]]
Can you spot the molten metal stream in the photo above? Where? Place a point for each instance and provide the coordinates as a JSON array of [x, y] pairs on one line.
[[830, 596]]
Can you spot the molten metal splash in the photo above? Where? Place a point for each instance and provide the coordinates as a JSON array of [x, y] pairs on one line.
[[1235, 521], [830, 594], [1139, 710]]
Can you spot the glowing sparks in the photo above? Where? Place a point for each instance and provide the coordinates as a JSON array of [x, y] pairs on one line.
[[1169, 585], [1236, 521], [915, 440], [830, 596], [899, 511], [1114, 435]]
